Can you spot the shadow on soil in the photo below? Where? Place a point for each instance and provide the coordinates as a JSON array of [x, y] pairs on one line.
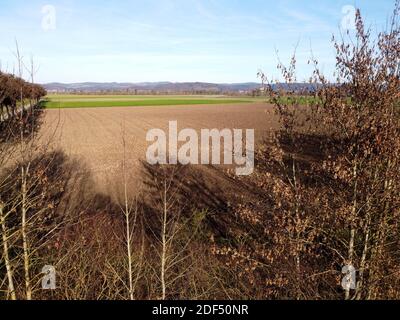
[[69, 189], [92, 223]]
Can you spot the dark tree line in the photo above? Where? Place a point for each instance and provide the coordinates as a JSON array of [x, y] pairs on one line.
[[14, 90]]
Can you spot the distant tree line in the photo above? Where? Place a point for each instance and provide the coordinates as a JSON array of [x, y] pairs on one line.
[[14, 90]]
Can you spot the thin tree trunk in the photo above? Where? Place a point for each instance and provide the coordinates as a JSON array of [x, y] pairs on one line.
[[363, 265], [128, 246], [25, 236], [297, 232], [350, 258], [376, 254], [127, 213], [128, 232], [367, 245], [164, 243], [7, 261], [352, 230]]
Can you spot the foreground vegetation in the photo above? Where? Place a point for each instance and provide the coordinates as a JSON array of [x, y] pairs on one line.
[[15, 93], [325, 195]]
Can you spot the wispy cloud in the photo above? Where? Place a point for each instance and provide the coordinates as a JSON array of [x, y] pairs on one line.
[[211, 40]]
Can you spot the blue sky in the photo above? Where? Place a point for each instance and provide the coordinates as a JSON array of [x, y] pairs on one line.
[[222, 41]]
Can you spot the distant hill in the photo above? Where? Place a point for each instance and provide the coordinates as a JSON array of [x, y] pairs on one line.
[[170, 87], [167, 87]]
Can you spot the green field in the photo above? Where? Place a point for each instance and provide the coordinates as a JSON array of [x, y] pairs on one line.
[[105, 101]]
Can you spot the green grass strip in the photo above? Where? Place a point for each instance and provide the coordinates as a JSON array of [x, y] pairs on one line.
[[135, 103]]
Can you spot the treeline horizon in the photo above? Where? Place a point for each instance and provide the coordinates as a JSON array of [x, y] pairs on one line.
[[171, 88]]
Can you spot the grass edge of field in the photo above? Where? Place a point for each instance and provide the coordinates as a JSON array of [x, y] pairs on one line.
[[48, 104]]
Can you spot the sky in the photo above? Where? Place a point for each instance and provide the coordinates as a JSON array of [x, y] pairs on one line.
[[220, 41]]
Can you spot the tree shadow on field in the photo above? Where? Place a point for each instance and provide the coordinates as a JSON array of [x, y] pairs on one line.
[[63, 212], [308, 151], [59, 191], [192, 190], [219, 194]]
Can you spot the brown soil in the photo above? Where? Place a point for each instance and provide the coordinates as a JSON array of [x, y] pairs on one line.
[[94, 136]]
